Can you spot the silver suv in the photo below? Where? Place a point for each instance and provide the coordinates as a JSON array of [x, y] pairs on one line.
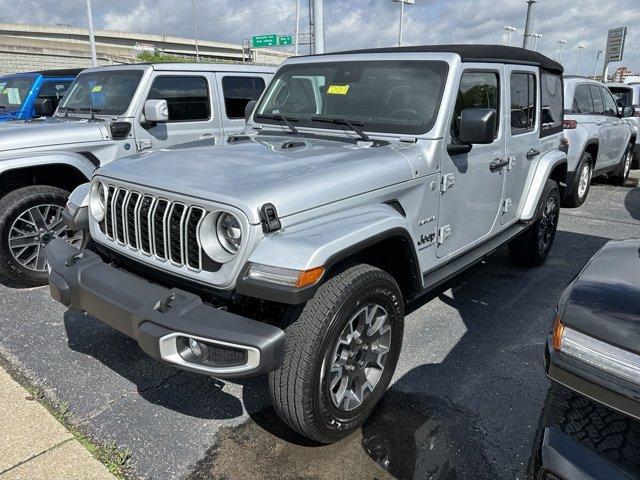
[[108, 113], [364, 180], [600, 141], [628, 95]]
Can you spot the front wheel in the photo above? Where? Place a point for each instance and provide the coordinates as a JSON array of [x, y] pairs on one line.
[[30, 217], [341, 352], [532, 247]]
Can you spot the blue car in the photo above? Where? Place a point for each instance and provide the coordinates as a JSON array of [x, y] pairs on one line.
[[24, 96]]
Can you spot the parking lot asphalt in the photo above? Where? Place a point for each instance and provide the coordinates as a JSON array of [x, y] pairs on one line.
[[464, 403]]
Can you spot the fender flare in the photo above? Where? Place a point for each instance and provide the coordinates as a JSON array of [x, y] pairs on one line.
[[544, 168], [325, 242], [71, 159]]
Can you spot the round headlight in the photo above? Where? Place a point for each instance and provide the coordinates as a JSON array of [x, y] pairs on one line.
[[229, 232], [220, 236], [97, 201]]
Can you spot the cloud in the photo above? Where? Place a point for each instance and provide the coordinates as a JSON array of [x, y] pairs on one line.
[[362, 23]]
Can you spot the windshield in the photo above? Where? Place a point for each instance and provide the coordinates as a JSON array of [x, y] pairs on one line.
[[13, 91], [107, 92], [381, 96], [623, 96]]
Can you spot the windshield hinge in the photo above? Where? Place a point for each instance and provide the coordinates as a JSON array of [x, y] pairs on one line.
[[408, 139]]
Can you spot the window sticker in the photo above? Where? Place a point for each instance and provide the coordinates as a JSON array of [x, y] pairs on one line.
[[338, 89], [97, 89], [13, 94]]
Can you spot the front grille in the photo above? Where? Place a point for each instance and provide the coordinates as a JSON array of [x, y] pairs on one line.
[[157, 227]]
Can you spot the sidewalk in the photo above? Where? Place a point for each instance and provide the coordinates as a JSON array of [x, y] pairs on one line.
[[34, 445]]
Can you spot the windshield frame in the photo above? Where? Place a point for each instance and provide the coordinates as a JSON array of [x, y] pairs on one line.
[[5, 80], [100, 110], [440, 65]]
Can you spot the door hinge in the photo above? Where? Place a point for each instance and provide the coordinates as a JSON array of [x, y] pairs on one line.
[[511, 164], [144, 145], [443, 234], [447, 182], [506, 205]]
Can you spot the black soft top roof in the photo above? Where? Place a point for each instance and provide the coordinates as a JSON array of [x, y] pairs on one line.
[[475, 53], [65, 72]]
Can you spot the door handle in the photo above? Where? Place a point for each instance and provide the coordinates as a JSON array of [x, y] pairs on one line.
[[599, 122], [532, 153], [205, 136], [497, 164]]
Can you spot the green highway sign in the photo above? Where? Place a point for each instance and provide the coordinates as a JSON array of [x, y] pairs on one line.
[[259, 41], [271, 40]]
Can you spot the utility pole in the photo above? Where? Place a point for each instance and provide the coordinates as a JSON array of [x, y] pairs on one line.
[[318, 24], [92, 38], [581, 47], [528, 28], [195, 31], [402, 2], [595, 68], [297, 27]]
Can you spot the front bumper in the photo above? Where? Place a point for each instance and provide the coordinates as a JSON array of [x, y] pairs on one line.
[[595, 384], [161, 319], [567, 458]]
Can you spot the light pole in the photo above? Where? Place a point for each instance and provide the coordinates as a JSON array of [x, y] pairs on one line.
[[377, 36], [195, 30], [561, 43], [581, 48], [536, 36], [595, 68], [509, 29], [318, 26], [297, 27], [528, 28], [92, 38], [402, 2]]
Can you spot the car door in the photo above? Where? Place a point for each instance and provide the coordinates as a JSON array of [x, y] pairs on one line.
[[192, 117], [471, 188], [619, 129], [605, 129], [522, 135], [236, 90]]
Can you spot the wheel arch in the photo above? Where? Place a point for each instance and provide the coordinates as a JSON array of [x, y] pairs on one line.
[[552, 165], [591, 147]]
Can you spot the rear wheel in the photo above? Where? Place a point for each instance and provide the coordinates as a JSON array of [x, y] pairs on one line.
[[341, 352], [582, 182], [620, 175], [532, 247], [30, 217]]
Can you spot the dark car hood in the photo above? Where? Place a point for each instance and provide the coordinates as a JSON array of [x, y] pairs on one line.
[[604, 300]]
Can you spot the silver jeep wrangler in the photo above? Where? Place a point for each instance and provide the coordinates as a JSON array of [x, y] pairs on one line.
[[363, 180]]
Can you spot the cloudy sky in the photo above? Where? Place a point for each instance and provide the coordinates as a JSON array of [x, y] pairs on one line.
[[362, 23]]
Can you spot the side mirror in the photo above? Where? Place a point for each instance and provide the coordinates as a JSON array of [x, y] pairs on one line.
[[248, 110], [628, 112], [156, 111], [477, 126], [44, 107]]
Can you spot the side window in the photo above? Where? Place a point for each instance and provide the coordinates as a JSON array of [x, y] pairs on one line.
[[238, 91], [187, 97], [598, 103], [477, 90], [54, 91], [610, 106], [551, 108], [582, 102], [523, 103]]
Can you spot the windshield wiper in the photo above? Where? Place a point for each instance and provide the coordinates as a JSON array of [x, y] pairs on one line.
[[352, 124], [281, 118]]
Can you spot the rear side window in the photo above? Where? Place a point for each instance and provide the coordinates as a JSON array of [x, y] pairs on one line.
[[551, 107], [238, 91], [187, 97], [477, 90], [523, 103], [598, 102], [582, 102], [610, 106]]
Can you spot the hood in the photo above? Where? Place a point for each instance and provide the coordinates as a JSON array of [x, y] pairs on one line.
[[49, 132], [259, 170], [604, 300]]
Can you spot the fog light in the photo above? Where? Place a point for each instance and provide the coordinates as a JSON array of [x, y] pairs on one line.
[[195, 347]]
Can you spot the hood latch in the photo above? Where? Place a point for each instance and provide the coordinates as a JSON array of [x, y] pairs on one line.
[[269, 218]]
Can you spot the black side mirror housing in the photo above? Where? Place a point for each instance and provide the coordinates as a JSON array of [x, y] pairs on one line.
[[44, 107], [478, 125], [248, 110], [628, 112]]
